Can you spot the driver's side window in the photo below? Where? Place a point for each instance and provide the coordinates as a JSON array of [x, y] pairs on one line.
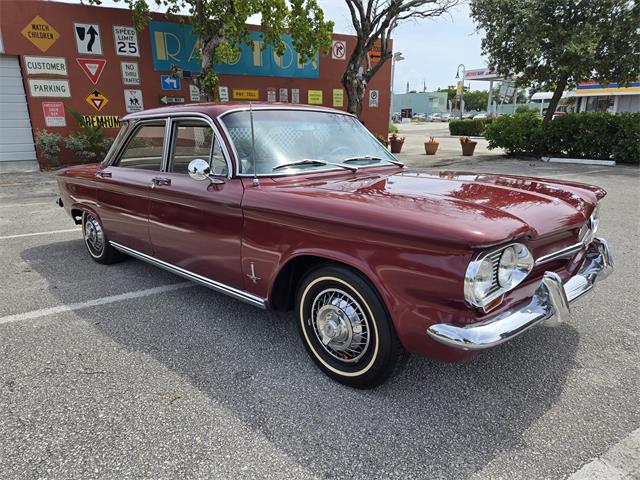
[[194, 139]]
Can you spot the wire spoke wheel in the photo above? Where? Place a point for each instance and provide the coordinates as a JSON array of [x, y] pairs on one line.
[[340, 325], [93, 235]]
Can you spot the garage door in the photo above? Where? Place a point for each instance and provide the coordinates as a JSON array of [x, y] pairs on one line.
[[17, 151]]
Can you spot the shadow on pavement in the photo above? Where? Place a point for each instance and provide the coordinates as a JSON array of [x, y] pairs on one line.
[[439, 420]]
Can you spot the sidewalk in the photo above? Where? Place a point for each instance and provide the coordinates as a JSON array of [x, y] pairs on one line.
[[449, 151]]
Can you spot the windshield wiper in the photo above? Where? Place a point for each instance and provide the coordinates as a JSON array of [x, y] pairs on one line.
[[373, 159], [310, 161]]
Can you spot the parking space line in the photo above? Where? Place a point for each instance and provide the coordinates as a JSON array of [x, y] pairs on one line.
[[43, 312], [50, 232], [22, 205]]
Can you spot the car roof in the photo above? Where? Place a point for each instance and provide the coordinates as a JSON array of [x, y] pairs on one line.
[[215, 109]]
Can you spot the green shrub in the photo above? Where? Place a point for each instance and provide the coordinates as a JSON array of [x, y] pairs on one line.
[[393, 128], [576, 135], [469, 127], [89, 144], [518, 133], [49, 145]]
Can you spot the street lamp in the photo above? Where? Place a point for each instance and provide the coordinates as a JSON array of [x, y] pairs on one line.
[[462, 83], [397, 57]]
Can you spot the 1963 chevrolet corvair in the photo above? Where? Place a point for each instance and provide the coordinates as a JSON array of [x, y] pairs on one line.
[[293, 207]]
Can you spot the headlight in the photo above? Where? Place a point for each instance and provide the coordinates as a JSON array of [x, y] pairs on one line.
[[495, 273], [594, 220]]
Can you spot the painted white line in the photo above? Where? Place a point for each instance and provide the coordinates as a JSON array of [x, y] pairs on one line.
[[22, 205], [51, 232], [43, 312], [622, 461]]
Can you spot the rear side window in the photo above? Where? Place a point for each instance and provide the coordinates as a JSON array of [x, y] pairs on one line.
[[144, 150]]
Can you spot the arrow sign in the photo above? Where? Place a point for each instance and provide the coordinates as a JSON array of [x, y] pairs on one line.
[[171, 99], [97, 100], [169, 82], [92, 67]]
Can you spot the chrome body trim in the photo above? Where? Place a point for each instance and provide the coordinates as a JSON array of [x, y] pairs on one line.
[[194, 277], [563, 252], [549, 304]]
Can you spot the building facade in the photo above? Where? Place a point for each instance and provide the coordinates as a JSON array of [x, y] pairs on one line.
[[420, 102], [55, 56]]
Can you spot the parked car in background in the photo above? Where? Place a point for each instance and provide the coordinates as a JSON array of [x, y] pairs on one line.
[[302, 208], [445, 117], [420, 117], [480, 116], [435, 117]]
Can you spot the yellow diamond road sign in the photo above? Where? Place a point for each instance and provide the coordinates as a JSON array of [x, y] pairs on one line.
[[96, 100], [40, 33]]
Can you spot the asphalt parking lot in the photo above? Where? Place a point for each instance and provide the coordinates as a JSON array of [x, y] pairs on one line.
[[126, 371]]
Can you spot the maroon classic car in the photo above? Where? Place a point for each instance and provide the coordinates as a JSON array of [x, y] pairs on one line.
[[294, 207]]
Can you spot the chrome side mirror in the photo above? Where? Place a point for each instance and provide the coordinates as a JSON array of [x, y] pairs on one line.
[[199, 169]]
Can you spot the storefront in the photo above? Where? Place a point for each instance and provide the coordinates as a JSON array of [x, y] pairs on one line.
[[58, 55]]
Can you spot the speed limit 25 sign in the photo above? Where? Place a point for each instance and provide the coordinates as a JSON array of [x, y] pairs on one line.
[[126, 41]]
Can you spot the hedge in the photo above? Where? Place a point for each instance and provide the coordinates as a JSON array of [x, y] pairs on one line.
[[595, 135], [468, 127]]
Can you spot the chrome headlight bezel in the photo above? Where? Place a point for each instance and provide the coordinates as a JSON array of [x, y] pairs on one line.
[[516, 266]]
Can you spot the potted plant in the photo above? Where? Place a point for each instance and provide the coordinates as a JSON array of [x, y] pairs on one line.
[[468, 146], [431, 146], [396, 143]]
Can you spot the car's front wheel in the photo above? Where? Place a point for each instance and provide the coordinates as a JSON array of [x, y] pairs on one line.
[[346, 328], [96, 241]]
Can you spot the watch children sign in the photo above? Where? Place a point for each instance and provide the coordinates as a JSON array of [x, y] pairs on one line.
[[174, 44]]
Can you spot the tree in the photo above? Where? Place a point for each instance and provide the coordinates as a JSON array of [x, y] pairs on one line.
[[555, 44], [221, 25], [374, 21]]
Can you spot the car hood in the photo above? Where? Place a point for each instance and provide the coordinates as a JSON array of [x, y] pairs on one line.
[[478, 209]]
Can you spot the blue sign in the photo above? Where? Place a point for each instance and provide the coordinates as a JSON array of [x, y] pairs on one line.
[[174, 44], [170, 82]]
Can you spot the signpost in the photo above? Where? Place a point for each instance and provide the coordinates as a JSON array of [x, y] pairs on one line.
[[133, 101], [126, 41], [171, 99], [54, 114], [49, 88], [88, 39], [169, 82], [45, 65], [92, 67], [40, 33], [130, 73]]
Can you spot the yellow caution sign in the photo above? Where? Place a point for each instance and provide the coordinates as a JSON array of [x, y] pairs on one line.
[[40, 33], [96, 100], [238, 94]]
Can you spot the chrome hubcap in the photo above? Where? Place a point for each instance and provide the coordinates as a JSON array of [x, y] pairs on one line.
[[93, 235], [340, 325]]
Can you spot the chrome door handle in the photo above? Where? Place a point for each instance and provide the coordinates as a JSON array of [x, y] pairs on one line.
[[103, 174], [160, 181]]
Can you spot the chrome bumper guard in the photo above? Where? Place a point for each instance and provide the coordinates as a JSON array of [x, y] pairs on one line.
[[549, 304]]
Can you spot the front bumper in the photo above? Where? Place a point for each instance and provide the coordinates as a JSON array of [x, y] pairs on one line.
[[549, 304]]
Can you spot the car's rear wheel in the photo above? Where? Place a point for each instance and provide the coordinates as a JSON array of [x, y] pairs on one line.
[[96, 241], [346, 328]]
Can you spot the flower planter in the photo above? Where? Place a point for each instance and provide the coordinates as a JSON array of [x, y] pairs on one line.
[[468, 148], [430, 148], [396, 146]]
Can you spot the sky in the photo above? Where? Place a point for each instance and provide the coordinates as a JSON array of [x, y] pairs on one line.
[[432, 48]]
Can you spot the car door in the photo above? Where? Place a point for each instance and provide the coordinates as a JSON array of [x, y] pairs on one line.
[[197, 224], [123, 191]]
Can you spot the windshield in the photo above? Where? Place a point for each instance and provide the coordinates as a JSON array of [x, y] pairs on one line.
[[285, 136]]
